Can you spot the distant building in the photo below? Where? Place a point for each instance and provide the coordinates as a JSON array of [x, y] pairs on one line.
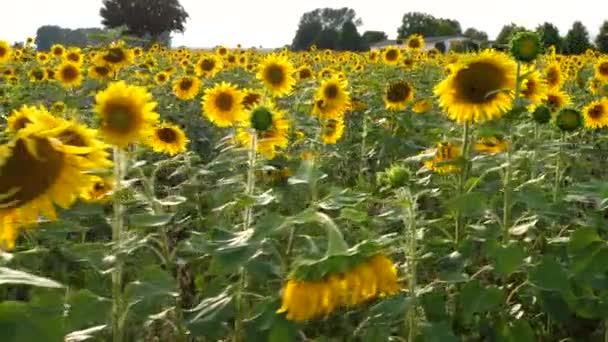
[[429, 42]]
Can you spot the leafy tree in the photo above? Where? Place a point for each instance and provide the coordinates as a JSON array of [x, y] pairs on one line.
[[48, 35], [350, 39], [601, 41], [549, 35], [507, 32], [427, 25], [371, 37], [144, 17], [577, 39], [475, 34], [322, 27]]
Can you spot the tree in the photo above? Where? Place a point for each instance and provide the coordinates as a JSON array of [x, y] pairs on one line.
[[350, 39], [549, 35], [144, 17], [371, 37], [48, 35], [427, 25], [506, 33], [601, 41], [475, 34], [577, 39], [322, 27]]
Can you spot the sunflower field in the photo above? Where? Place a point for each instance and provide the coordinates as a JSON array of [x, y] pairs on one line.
[[156, 194]]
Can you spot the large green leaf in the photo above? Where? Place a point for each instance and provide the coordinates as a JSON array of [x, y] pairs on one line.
[[475, 298], [11, 276], [508, 258], [549, 275]]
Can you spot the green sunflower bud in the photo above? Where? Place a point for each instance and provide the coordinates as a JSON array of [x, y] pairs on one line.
[[525, 46], [542, 114], [261, 119], [398, 176], [568, 120]]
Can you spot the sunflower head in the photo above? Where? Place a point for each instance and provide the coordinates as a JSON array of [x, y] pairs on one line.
[[98, 72], [186, 87], [533, 87], [492, 144], [69, 75], [161, 77], [596, 114], [332, 99], [444, 157], [525, 46], [568, 119], [556, 99], [269, 125], [223, 105], [251, 98], [415, 42], [5, 51], [422, 106], [100, 191], [332, 130], [391, 55], [553, 75], [169, 139], [305, 73], [601, 69], [58, 107], [398, 94], [542, 114], [276, 73]]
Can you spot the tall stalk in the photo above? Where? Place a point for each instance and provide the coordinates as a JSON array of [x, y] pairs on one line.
[[462, 178], [409, 223], [120, 160], [558, 168]]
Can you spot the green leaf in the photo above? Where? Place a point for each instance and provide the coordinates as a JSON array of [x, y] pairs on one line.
[[581, 239], [437, 332], [20, 321], [549, 275], [522, 228], [434, 305], [353, 215], [86, 309], [208, 318], [476, 298], [84, 335], [149, 220], [152, 289], [508, 258], [11, 276], [470, 204], [282, 331]]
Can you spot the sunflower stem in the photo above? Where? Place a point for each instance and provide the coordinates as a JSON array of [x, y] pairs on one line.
[[535, 152], [409, 223], [558, 167], [363, 142], [117, 237], [464, 175], [247, 219]]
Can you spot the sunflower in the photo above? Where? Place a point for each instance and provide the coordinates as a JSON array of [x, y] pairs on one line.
[[553, 75], [100, 191], [332, 130], [5, 51], [26, 115], [126, 113], [533, 87], [596, 114], [492, 145], [38, 172], [169, 139], [276, 73], [480, 89], [271, 127], [332, 99], [58, 107], [98, 72], [69, 75], [415, 42], [422, 106], [73, 55], [391, 55], [444, 156], [398, 94], [186, 87], [221, 51], [223, 105], [556, 99], [597, 87], [208, 66], [251, 98], [161, 78], [568, 119], [116, 56], [305, 73], [57, 50], [601, 69], [409, 63], [42, 57], [37, 75]]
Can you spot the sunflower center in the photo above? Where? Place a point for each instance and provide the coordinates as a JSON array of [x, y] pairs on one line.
[[119, 118], [250, 99], [603, 69], [185, 84], [166, 134], [102, 70], [224, 101], [596, 111], [391, 55], [3, 51], [275, 75], [529, 88], [72, 138], [479, 82], [207, 64], [305, 73], [331, 91], [261, 119], [69, 73], [74, 57], [99, 186], [115, 55], [20, 123], [231, 59], [38, 74], [398, 92], [414, 43], [552, 76], [28, 174]]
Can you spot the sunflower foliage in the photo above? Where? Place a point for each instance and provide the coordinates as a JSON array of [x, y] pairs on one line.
[[401, 194]]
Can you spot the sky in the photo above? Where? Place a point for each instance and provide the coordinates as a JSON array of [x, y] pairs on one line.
[[272, 23]]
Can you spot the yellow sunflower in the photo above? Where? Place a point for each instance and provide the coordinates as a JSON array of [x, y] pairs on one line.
[[161, 78], [492, 145], [126, 113], [553, 75], [415, 42], [276, 73], [5, 51], [68, 74], [391, 55], [480, 89], [42, 57], [601, 69], [444, 158], [332, 130], [223, 105], [398, 94], [422, 106], [208, 66], [37, 74], [271, 127], [305, 73], [116, 56], [251, 98], [100, 191], [73, 55], [556, 99], [99, 72], [332, 99], [168, 139], [596, 114], [57, 50], [186, 87], [533, 87]]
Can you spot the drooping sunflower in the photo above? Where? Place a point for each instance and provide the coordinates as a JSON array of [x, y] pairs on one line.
[[5, 51], [168, 139], [99, 72], [415, 42], [398, 94], [422, 106], [492, 144], [391, 55], [533, 87], [276, 73], [332, 99], [601, 69], [68, 74], [223, 105], [556, 99], [332, 130], [270, 126], [186, 87], [126, 113], [208, 66], [58, 107], [554, 76], [444, 158], [480, 89], [596, 114]]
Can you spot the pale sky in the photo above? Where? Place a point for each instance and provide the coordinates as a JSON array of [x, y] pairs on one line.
[[272, 23]]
